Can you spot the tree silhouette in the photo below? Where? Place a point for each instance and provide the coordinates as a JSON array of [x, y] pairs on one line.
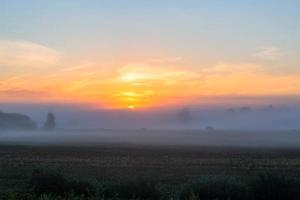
[[16, 121], [184, 115], [50, 122]]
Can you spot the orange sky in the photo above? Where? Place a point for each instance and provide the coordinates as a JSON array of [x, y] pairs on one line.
[[144, 54], [40, 74]]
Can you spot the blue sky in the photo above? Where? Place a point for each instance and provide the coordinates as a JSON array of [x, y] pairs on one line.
[[213, 28]]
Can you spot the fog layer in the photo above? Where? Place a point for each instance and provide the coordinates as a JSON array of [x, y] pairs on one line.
[[237, 117], [244, 125], [154, 138]]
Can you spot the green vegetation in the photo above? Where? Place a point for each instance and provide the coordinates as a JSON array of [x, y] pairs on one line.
[[49, 185], [137, 173]]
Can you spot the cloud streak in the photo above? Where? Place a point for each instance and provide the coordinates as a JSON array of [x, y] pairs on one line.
[[268, 53], [20, 54]]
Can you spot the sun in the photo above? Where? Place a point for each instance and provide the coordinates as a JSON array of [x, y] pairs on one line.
[[131, 107]]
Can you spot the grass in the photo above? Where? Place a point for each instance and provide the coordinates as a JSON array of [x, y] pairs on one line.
[[145, 172], [216, 187], [48, 184]]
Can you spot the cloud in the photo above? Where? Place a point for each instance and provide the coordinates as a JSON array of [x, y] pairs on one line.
[[268, 53], [20, 53], [76, 68], [167, 59], [247, 79], [22, 94], [147, 84], [144, 72], [224, 69]]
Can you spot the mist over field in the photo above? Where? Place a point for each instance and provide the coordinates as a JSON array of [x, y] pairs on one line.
[[267, 116], [156, 138], [267, 125]]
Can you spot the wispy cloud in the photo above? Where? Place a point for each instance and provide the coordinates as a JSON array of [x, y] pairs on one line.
[[268, 53], [225, 69], [76, 68], [20, 53], [167, 59], [247, 79], [23, 94], [148, 73]]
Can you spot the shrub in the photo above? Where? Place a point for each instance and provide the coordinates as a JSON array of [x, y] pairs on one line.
[[49, 182], [106, 189], [16, 196], [215, 187], [81, 187], [55, 183], [169, 192], [130, 189], [276, 187], [139, 188]]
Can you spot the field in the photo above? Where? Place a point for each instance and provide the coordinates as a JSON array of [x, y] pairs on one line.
[[172, 164]]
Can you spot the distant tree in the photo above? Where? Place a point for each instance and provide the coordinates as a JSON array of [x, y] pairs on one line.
[[269, 108], [184, 115], [231, 110], [246, 109], [16, 121], [209, 128], [50, 122]]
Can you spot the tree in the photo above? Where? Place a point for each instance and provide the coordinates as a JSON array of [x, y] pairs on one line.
[[50, 121], [16, 121], [184, 115]]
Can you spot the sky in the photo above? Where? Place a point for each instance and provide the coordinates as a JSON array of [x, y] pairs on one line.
[[130, 54]]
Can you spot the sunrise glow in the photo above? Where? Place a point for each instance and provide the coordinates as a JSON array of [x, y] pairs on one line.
[[141, 68], [131, 107]]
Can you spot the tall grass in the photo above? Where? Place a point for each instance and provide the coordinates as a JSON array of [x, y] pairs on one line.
[[276, 187], [49, 185], [215, 187], [56, 183]]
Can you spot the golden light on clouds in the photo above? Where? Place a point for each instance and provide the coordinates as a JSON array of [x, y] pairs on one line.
[[144, 85], [128, 86]]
